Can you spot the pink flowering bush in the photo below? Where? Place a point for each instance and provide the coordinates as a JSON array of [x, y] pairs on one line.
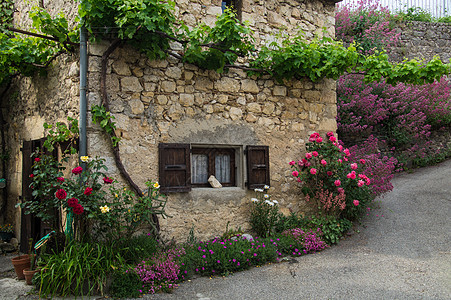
[[366, 23], [301, 242], [403, 114], [336, 182], [161, 272]]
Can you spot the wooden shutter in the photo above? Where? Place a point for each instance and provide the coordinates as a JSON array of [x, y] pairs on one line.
[[257, 166], [175, 168]]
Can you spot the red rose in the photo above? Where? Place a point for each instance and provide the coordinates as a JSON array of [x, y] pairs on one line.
[[37, 159], [107, 180], [88, 191], [60, 179], [31, 175], [77, 170], [78, 209], [72, 202], [61, 194]]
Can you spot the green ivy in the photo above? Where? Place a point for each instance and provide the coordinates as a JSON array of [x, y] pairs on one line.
[[105, 120]]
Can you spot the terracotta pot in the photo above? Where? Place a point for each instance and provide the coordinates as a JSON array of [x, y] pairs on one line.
[[29, 275], [20, 263]]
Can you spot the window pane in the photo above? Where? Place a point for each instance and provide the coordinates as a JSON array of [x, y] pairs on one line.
[[199, 168], [222, 165]]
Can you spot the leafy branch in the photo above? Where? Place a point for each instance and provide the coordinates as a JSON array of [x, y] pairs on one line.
[[104, 118]]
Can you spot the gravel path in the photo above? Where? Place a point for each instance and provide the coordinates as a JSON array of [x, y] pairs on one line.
[[401, 250]]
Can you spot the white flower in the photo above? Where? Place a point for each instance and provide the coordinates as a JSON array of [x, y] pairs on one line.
[[269, 202], [275, 201], [156, 185], [266, 187], [84, 158], [266, 196], [254, 199], [258, 190]]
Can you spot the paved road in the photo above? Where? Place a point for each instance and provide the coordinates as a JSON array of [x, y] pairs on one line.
[[402, 251]]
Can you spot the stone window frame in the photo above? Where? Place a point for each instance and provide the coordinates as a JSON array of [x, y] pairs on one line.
[[175, 166]]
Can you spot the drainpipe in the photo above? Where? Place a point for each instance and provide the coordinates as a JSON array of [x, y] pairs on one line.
[[83, 102]]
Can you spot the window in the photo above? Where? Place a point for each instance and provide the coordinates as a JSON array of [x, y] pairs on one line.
[[234, 4], [219, 162], [183, 166]]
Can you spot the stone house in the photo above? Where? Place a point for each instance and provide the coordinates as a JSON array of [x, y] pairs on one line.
[[180, 124]]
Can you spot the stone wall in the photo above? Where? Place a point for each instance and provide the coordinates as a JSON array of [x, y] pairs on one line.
[[167, 101], [32, 101], [422, 40], [170, 102]]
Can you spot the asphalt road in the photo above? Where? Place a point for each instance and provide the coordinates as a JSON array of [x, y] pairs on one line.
[[401, 250]]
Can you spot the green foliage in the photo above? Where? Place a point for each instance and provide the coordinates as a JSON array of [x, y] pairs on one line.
[[289, 222], [264, 213], [134, 248], [125, 284], [105, 120], [333, 228], [297, 59], [6, 13], [416, 14], [79, 270], [229, 233], [60, 133], [139, 22], [227, 40]]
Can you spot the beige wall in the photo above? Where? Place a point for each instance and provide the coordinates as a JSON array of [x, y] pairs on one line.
[[167, 101]]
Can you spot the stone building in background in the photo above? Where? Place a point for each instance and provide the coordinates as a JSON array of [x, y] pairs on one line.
[[179, 124]]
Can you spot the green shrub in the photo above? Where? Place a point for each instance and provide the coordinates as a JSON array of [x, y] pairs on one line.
[[126, 284], [333, 228], [81, 269], [137, 248], [264, 213]]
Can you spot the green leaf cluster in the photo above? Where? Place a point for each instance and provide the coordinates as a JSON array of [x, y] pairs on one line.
[[105, 120], [213, 48]]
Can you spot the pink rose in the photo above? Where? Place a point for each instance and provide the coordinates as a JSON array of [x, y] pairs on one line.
[[307, 164], [361, 183], [340, 147], [298, 180], [107, 180], [351, 175], [37, 159], [301, 163], [31, 175], [313, 137], [61, 194], [340, 161], [346, 151], [77, 170], [337, 182], [315, 154], [313, 171], [308, 155], [330, 133], [60, 179], [323, 162], [88, 191], [354, 166], [332, 139], [362, 161], [291, 163], [356, 202], [319, 140], [341, 190], [295, 173]]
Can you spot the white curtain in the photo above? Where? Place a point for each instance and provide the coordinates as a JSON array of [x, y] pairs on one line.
[[222, 165], [199, 168]]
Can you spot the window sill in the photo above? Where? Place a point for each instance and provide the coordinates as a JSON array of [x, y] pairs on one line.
[[218, 194]]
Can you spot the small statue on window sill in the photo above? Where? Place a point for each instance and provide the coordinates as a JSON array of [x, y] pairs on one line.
[[214, 182]]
